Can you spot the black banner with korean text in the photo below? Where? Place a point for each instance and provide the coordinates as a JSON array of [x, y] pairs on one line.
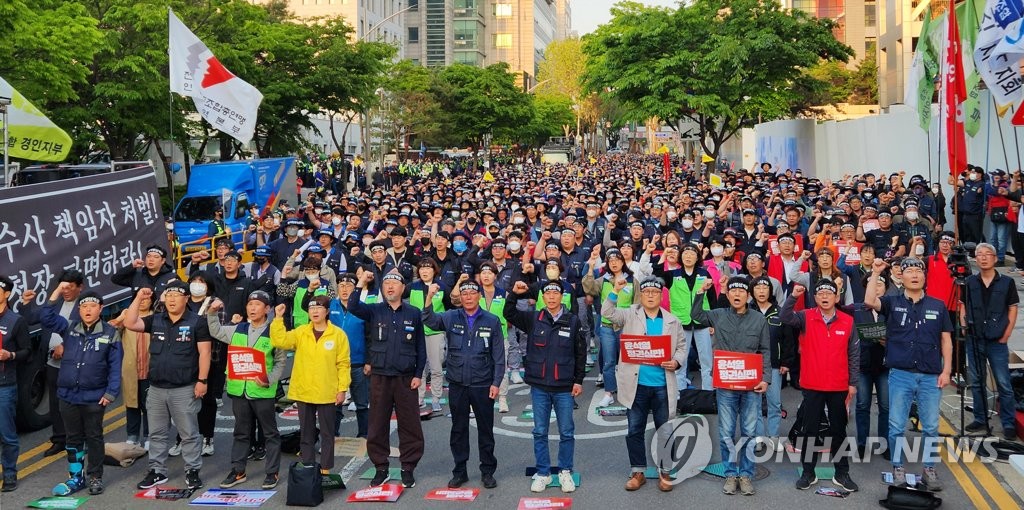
[[96, 224]]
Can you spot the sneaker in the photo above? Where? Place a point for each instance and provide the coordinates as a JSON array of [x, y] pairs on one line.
[[54, 449], [977, 427], [131, 441], [502, 404], [457, 480], [899, 476], [730, 485], [234, 478], [270, 481], [208, 447], [192, 480], [566, 481], [408, 481], [10, 484], [1010, 434], [843, 481], [806, 480], [608, 400], [435, 407], [145, 446], [779, 445], [746, 486], [665, 482], [930, 480], [175, 450], [380, 477], [151, 480], [636, 480], [600, 381], [488, 480], [515, 377], [95, 486], [539, 483], [258, 453]]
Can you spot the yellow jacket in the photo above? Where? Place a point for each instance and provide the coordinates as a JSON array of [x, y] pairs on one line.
[[321, 368]]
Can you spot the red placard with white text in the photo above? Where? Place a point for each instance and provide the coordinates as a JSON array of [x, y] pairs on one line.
[[387, 493], [446, 494], [247, 364], [645, 349], [851, 249], [737, 370], [544, 503]]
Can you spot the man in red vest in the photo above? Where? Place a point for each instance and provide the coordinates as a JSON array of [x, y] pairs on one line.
[[830, 360]]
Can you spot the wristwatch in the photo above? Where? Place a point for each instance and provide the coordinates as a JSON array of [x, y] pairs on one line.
[[202, 381]]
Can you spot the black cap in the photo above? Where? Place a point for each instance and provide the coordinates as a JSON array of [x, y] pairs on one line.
[[6, 284], [261, 296], [738, 282], [177, 286]]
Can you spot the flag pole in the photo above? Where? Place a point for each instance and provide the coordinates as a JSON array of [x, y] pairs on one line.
[[1016, 144], [988, 133], [170, 133]]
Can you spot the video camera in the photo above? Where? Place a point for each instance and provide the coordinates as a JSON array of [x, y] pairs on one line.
[[960, 263]]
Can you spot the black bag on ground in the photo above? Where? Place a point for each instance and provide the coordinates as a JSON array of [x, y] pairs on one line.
[[290, 442], [800, 429], [694, 401], [305, 487], [902, 498]]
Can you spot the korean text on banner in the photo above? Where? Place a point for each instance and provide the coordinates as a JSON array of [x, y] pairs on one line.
[[645, 349], [736, 370], [247, 364], [31, 135]]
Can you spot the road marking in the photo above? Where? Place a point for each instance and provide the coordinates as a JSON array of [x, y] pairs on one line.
[[25, 456], [983, 474], [40, 464]]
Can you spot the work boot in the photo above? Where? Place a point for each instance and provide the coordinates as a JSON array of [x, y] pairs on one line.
[[636, 480]]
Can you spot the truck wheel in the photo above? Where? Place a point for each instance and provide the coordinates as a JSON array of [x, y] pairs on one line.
[[33, 399]]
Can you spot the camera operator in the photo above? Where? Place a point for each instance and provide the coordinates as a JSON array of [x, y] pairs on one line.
[[990, 308]]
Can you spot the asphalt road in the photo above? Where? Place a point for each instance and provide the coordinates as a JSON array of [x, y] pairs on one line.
[[600, 460]]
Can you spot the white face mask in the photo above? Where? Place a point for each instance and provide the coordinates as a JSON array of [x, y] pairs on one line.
[[514, 207], [291, 231], [709, 214], [336, 221], [518, 220], [514, 246], [671, 215], [312, 276], [318, 211], [687, 223], [973, 175], [912, 215], [919, 250], [197, 289], [551, 273], [717, 251], [301, 233]]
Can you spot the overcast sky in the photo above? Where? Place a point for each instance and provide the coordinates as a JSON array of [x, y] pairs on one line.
[[588, 14]]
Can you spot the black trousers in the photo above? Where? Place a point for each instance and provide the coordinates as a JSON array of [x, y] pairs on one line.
[[971, 227], [815, 403], [1017, 241], [247, 413], [311, 417], [59, 435], [84, 426], [460, 400], [393, 392]]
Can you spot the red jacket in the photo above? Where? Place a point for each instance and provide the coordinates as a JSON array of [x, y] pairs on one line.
[[825, 352], [939, 283]]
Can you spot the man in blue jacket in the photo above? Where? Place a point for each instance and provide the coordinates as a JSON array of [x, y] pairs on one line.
[[355, 330], [88, 381], [476, 366]]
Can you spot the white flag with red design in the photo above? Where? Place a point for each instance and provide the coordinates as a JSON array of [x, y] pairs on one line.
[[954, 94], [226, 101]]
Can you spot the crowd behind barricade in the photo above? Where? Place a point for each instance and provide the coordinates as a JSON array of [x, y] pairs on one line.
[[388, 295]]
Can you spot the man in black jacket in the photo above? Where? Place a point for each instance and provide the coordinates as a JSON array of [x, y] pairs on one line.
[[556, 352], [14, 349], [153, 272]]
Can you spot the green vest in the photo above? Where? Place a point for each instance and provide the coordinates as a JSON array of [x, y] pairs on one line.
[[680, 298], [625, 297], [237, 388], [416, 299], [300, 316], [497, 308]]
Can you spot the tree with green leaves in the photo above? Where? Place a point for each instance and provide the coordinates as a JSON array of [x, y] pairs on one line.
[[720, 63], [414, 113]]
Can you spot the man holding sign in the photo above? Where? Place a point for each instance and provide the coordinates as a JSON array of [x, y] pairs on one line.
[[830, 361], [739, 332], [254, 369], [653, 347]]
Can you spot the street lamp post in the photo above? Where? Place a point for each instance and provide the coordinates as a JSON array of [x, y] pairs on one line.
[[5, 102]]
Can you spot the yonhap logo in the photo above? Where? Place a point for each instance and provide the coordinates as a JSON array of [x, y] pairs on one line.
[[682, 446]]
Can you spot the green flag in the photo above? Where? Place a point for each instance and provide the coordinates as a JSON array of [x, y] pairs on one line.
[[967, 15], [32, 136], [920, 85]]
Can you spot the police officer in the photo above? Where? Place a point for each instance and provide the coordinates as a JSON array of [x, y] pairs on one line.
[[89, 380], [396, 353], [476, 367], [14, 349], [991, 307], [179, 367], [919, 354], [252, 401]]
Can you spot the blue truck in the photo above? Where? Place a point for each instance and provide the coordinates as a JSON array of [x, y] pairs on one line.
[[233, 187]]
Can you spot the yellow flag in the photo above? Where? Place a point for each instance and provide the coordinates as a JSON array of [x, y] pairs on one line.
[[636, 182], [488, 176], [358, 161], [32, 135], [706, 159], [1001, 110], [663, 149], [593, 160], [715, 180]]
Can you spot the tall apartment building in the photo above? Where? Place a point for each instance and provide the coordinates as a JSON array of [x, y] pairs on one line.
[[857, 22], [484, 32], [372, 20], [899, 28]]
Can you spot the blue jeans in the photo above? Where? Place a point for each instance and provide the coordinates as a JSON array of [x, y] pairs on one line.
[[8, 431], [609, 356], [1001, 238], [737, 408], [769, 425], [649, 400], [998, 357], [702, 339], [543, 402], [880, 384], [904, 389]]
